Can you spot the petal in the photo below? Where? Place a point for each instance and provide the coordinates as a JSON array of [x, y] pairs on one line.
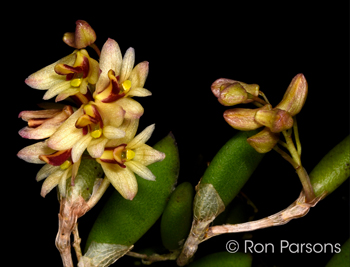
[[111, 58], [111, 132], [138, 91], [31, 153], [38, 114], [51, 181], [62, 184], [67, 134], [142, 137], [80, 146], [133, 109], [140, 170], [122, 179], [147, 155], [47, 77], [97, 146], [139, 74], [94, 71], [57, 89], [66, 93], [127, 65], [48, 127], [129, 126], [57, 158], [46, 171], [111, 113]]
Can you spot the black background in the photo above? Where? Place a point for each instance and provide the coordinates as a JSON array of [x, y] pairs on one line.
[[188, 48]]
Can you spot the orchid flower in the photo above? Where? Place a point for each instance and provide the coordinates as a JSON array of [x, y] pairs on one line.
[[101, 122], [68, 76], [128, 157], [119, 80]]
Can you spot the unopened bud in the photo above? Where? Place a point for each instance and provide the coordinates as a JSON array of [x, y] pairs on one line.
[[220, 84], [243, 119], [277, 120], [83, 36], [295, 96], [263, 141], [233, 94]]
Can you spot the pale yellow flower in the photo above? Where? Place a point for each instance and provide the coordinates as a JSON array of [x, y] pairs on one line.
[[68, 76], [127, 157]]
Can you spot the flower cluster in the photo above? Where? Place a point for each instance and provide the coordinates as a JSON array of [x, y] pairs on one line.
[[104, 123], [274, 120]]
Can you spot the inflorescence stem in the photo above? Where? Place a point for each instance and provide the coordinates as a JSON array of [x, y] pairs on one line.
[[295, 159]]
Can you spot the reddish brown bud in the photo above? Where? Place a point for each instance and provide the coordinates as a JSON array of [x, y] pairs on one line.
[[263, 141], [243, 119], [220, 84], [233, 94], [83, 36], [277, 120], [295, 96]]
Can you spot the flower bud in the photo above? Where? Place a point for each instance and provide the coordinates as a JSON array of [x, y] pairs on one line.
[[277, 120], [243, 119], [295, 96], [263, 141], [83, 36], [220, 84], [233, 94]]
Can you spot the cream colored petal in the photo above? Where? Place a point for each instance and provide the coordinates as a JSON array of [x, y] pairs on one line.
[[62, 184], [133, 109], [97, 146], [138, 91], [122, 179], [47, 77], [111, 58], [147, 155], [80, 146], [27, 115], [111, 113], [111, 132], [67, 134], [140, 170], [127, 65], [46, 171], [51, 181], [37, 133], [66, 93], [46, 129], [57, 89], [31, 153], [139, 74], [129, 126], [142, 137]]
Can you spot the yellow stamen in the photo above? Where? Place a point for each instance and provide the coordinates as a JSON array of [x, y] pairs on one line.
[[96, 134], [65, 164], [76, 82], [128, 154], [126, 85]]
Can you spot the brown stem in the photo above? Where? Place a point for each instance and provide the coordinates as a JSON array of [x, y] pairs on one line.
[[77, 241], [297, 209], [66, 223], [70, 211]]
